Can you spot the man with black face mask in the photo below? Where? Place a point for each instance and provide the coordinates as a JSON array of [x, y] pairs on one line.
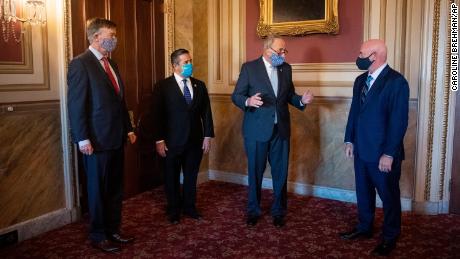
[[374, 135], [100, 125]]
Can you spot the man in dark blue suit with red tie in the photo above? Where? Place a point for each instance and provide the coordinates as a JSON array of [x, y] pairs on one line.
[[374, 135], [100, 125], [263, 91]]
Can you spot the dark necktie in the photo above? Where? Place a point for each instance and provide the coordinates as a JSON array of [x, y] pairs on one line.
[[366, 88], [187, 95], [110, 75]]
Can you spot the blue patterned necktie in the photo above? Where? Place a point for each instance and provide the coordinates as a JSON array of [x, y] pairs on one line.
[[366, 88], [187, 95]]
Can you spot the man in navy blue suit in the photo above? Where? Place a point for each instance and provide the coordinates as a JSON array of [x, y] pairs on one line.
[[263, 91], [374, 135], [100, 125]]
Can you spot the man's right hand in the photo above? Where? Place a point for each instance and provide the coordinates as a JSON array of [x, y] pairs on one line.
[[255, 101], [349, 150], [161, 148], [87, 149]]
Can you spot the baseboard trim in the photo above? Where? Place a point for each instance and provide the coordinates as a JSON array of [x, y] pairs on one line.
[[431, 207], [303, 189], [42, 224]]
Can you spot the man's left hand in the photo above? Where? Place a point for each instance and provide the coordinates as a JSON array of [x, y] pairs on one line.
[[385, 163], [206, 145], [132, 138], [307, 97]]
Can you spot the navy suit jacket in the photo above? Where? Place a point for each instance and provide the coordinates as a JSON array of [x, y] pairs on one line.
[[258, 122], [378, 126], [176, 122], [96, 112]]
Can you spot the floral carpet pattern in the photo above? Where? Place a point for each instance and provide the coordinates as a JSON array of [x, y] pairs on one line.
[[311, 231]]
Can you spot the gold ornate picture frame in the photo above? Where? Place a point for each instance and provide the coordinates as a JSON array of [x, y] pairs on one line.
[[275, 18]]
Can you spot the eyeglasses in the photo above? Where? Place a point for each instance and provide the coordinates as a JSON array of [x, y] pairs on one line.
[[280, 51]]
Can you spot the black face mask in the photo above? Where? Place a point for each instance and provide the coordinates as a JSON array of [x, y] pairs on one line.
[[364, 63]]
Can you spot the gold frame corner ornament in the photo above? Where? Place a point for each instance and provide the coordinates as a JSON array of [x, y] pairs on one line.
[[266, 26]]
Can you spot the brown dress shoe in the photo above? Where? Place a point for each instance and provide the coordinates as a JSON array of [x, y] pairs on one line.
[[121, 239], [106, 246]]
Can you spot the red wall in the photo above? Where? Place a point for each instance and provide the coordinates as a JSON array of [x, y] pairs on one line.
[[11, 51], [316, 48]]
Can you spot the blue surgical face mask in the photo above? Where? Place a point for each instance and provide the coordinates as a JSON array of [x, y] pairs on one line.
[[277, 60], [187, 70], [109, 44]]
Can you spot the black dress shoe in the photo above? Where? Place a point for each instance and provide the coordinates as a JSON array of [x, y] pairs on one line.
[[384, 248], [355, 233], [106, 246], [278, 221], [120, 239], [174, 219], [252, 220], [193, 214]]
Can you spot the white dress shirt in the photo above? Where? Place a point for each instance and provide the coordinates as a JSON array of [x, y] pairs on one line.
[[180, 82], [376, 74]]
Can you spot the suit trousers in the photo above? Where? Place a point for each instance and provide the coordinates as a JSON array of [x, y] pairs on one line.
[[368, 179], [187, 158], [276, 150], [104, 173]]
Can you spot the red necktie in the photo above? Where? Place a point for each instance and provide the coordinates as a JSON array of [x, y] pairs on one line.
[[110, 75]]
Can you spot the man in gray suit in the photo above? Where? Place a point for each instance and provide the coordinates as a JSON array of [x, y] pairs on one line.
[[263, 91]]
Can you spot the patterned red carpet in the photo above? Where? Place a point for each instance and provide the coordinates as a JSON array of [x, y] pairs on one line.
[[312, 231]]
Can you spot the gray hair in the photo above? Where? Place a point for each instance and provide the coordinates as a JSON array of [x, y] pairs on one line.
[[95, 24], [269, 41]]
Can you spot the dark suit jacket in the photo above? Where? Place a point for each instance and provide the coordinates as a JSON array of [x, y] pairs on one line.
[[258, 122], [96, 112], [176, 122], [378, 125]]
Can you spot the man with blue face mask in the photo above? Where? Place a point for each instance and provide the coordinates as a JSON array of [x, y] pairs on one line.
[[100, 125], [263, 92], [374, 135], [183, 129]]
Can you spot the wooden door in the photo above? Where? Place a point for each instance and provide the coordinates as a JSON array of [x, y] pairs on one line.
[[455, 181], [140, 58]]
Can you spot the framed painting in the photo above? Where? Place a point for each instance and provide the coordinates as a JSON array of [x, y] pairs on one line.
[[298, 17]]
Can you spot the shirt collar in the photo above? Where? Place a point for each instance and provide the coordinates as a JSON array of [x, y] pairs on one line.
[[267, 64], [96, 53], [179, 79], [378, 71]]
